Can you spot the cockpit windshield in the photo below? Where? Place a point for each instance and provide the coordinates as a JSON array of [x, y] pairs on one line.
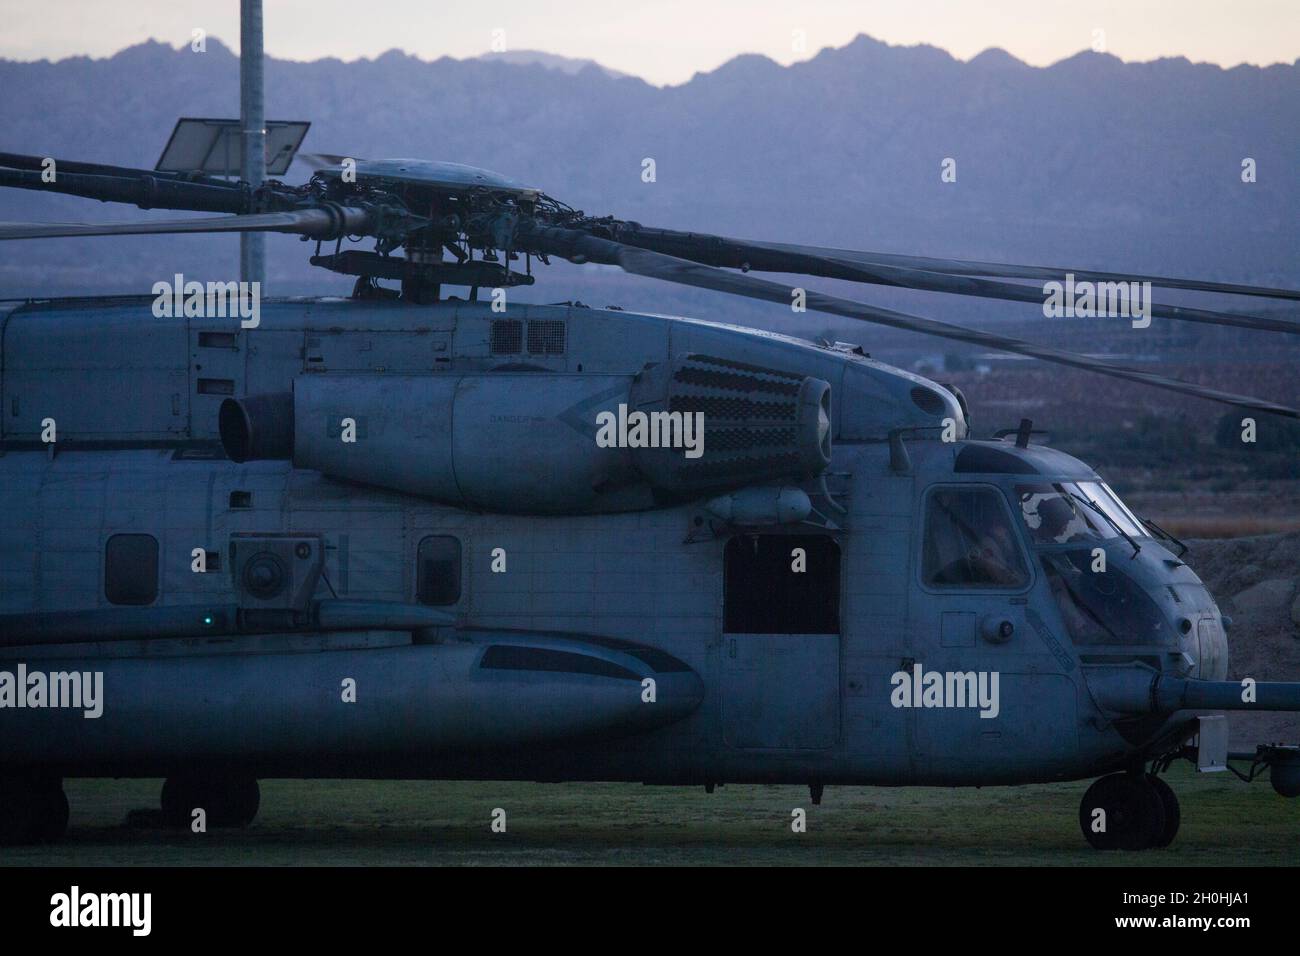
[[1102, 494], [1066, 520], [1102, 608], [1071, 512]]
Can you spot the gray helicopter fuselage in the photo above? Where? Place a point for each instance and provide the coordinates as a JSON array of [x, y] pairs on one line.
[[597, 626]]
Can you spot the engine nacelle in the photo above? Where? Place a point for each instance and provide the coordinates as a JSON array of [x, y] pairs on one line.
[[545, 443]]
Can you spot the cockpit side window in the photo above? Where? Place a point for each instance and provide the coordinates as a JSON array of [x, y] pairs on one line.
[[970, 542]]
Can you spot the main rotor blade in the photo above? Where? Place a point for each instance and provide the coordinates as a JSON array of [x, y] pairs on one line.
[[40, 163], [835, 264], [581, 247], [327, 222], [971, 267], [1012, 292], [145, 190]]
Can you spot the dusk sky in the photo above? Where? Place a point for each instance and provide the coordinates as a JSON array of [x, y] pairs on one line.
[[666, 41]]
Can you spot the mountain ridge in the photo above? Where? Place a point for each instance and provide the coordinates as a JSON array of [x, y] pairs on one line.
[[1092, 161], [571, 65]]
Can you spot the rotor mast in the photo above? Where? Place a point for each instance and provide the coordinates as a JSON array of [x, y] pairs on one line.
[[252, 122]]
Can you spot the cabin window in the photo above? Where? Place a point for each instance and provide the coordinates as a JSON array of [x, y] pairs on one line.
[[437, 570], [131, 569], [970, 541], [781, 584]]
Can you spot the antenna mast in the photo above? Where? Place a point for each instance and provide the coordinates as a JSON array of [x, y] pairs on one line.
[[252, 121]]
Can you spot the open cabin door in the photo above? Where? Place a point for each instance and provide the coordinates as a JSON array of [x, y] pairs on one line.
[[781, 642]]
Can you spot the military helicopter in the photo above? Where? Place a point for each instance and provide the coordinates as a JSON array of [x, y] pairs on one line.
[[404, 535]]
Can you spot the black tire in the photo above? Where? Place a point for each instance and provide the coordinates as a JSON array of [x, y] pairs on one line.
[[20, 815], [227, 802], [52, 820], [1134, 815], [33, 809], [1173, 814], [180, 796], [239, 803]]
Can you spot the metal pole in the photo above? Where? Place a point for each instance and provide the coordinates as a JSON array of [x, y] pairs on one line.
[[252, 123]]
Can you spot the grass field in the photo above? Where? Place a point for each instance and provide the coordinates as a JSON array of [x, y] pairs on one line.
[[1225, 822]]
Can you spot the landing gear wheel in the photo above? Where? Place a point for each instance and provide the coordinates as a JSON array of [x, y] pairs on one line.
[[1122, 812], [225, 801], [19, 812], [180, 797], [1173, 815], [33, 809], [52, 820], [242, 797]]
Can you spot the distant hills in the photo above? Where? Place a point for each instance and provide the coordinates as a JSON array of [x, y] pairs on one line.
[[1092, 161], [565, 64]]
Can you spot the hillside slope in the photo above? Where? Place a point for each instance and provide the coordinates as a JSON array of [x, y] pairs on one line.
[[1254, 581]]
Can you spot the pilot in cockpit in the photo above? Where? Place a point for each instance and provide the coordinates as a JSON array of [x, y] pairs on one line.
[[1054, 518]]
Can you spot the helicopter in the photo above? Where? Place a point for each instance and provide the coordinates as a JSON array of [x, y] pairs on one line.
[[402, 535]]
